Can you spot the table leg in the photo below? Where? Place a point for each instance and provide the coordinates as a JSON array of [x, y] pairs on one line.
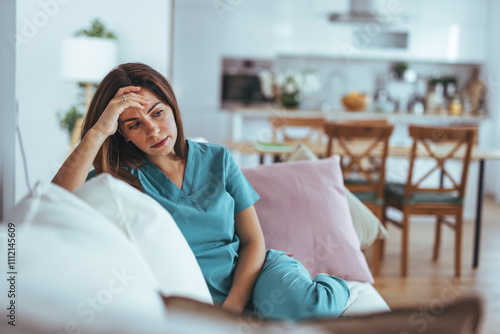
[[479, 211]]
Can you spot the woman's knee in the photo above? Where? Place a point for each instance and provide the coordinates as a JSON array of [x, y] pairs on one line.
[[285, 290]]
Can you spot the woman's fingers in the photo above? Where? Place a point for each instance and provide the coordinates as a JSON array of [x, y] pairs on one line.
[[126, 90], [132, 104], [132, 97], [129, 93], [125, 97]]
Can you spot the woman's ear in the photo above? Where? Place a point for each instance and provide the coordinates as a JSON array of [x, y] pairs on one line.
[[125, 137]]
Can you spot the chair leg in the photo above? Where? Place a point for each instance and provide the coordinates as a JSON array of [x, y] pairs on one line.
[[437, 238], [458, 244], [382, 218], [404, 244], [376, 256]]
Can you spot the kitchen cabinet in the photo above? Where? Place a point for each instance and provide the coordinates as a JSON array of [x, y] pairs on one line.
[[315, 37], [438, 31], [324, 7], [451, 31], [450, 43], [470, 13], [435, 11], [431, 41], [397, 10], [472, 44]]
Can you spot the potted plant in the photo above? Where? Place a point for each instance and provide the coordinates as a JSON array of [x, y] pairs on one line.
[[86, 58], [289, 97], [97, 29], [399, 69], [287, 91], [68, 120]]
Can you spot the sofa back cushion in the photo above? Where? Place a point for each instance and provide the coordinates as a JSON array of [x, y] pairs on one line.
[[76, 269], [152, 230], [303, 211]]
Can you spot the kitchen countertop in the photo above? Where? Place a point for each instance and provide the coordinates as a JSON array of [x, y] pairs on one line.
[[264, 112]]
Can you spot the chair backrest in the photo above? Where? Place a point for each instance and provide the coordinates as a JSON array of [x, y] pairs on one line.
[[314, 126], [440, 144], [364, 144]]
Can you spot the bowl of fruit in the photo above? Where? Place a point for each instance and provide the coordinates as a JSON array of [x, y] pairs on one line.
[[355, 101]]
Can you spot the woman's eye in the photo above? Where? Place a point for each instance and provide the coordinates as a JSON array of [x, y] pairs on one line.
[[135, 126], [157, 114]]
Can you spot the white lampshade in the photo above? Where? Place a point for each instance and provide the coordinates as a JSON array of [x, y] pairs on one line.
[[87, 59]]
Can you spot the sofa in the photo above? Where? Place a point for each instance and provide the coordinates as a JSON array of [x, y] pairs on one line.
[[109, 259]]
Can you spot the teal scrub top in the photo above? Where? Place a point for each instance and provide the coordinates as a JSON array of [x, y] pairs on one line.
[[213, 190]]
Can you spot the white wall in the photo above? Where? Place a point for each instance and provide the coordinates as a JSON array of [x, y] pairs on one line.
[[143, 31], [197, 62], [491, 76], [7, 107]]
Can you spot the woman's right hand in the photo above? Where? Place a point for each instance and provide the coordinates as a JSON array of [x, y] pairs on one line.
[[108, 122]]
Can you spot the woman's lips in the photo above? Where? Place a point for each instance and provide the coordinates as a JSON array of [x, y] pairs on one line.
[[160, 143]]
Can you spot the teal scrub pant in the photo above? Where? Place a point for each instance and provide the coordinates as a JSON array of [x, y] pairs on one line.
[[285, 290]]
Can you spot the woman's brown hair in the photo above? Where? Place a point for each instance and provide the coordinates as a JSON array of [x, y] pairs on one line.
[[115, 153]]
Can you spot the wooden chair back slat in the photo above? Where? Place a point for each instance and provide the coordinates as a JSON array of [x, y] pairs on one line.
[[375, 139], [441, 144], [439, 134]]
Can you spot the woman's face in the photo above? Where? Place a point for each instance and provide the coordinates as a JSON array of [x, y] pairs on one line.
[[152, 129]]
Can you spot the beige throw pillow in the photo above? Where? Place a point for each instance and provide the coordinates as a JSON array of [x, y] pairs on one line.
[[368, 227]]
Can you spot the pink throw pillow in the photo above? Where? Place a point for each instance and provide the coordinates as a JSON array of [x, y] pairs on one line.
[[303, 211]]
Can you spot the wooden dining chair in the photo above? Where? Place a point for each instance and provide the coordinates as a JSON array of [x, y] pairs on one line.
[[363, 147], [442, 200]]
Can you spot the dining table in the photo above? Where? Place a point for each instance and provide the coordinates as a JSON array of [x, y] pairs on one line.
[[479, 154]]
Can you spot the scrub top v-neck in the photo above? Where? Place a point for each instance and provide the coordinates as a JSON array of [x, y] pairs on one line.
[[213, 190]]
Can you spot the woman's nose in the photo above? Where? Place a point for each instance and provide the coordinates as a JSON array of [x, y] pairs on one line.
[[151, 128]]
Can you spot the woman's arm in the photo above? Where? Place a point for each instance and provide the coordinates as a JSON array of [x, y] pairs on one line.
[[252, 254], [75, 169]]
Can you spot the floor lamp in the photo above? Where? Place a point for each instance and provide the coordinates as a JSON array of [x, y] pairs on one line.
[[86, 60]]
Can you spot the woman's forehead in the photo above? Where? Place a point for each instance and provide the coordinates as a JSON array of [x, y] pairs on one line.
[[148, 94], [134, 112]]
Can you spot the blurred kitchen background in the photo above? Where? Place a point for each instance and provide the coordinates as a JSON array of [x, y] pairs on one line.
[[413, 61]]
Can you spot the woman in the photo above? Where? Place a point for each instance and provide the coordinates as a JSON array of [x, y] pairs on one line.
[[133, 130]]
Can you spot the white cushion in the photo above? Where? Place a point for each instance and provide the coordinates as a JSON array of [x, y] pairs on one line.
[[364, 299], [368, 227], [153, 231], [76, 269]]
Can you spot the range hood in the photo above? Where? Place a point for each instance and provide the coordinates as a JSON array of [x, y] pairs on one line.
[[360, 11]]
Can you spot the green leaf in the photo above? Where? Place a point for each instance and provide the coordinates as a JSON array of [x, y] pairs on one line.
[[68, 120], [98, 30]]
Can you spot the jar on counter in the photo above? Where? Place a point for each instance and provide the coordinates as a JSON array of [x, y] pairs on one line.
[[455, 106], [435, 100]]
